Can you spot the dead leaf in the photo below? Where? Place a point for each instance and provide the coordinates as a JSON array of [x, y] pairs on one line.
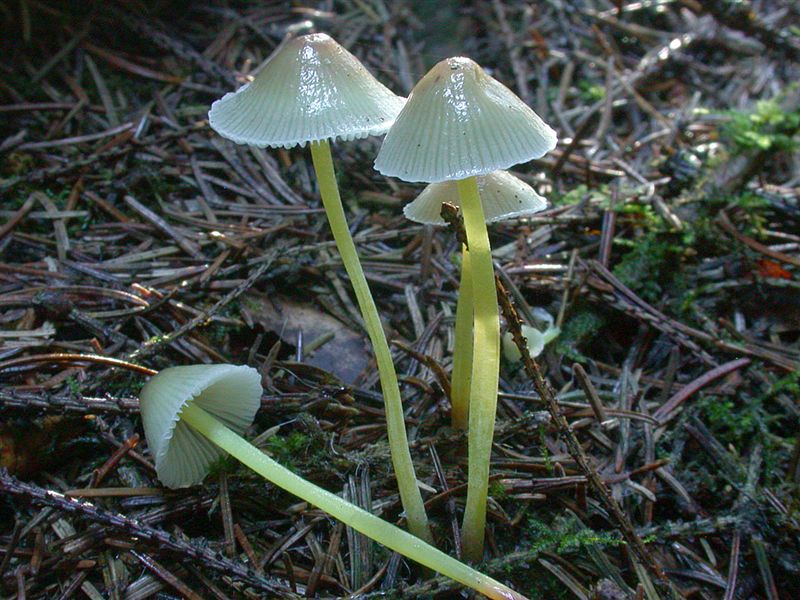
[[346, 355]]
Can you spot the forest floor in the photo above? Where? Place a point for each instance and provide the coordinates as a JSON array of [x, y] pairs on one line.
[[669, 257]]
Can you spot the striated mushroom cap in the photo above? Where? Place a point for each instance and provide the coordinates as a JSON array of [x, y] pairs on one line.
[[311, 89], [503, 196], [460, 122], [230, 393]]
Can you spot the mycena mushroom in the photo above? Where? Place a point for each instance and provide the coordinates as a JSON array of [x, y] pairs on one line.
[[313, 90], [194, 414], [503, 197], [459, 123], [536, 338]]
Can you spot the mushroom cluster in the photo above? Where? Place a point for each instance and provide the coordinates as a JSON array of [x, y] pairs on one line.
[[459, 123], [457, 131]]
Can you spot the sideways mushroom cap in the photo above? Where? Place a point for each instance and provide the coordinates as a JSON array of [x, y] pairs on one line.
[[460, 122], [311, 89], [535, 338], [230, 393], [503, 196], [536, 341]]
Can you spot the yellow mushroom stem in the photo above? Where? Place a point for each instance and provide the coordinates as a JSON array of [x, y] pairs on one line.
[[395, 420], [359, 519], [462, 352], [485, 368]]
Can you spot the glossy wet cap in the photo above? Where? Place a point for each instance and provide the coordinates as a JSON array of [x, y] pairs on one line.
[[230, 393], [503, 196], [460, 122], [311, 89]]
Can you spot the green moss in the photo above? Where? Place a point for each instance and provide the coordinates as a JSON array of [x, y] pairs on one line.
[[641, 215], [589, 92], [224, 464], [701, 234], [740, 422], [581, 193], [649, 266], [568, 534], [73, 385], [306, 450], [288, 450], [790, 384], [498, 491], [581, 327], [564, 535], [766, 127], [731, 424]]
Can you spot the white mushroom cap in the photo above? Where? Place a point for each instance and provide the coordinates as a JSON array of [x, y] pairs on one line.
[[311, 89], [230, 393], [536, 341], [460, 122], [503, 196]]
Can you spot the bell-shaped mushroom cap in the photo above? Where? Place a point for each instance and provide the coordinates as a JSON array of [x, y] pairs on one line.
[[460, 122], [311, 89], [230, 393], [503, 196]]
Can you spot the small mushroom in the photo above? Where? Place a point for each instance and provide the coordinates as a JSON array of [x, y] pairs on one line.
[[535, 339], [231, 394], [313, 90], [459, 123], [194, 414], [503, 196]]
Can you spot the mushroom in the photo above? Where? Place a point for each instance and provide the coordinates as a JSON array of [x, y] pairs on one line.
[[310, 90], [534, 338], [459, 123], [194, 414], [229, 393], [503, 196], [313, 90]]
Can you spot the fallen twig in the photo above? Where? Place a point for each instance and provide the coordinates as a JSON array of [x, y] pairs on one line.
[[138, 531]]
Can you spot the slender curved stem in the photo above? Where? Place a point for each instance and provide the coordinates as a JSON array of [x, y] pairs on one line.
[[395, 419], [462, 353], [485, 368], [359, 519]]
